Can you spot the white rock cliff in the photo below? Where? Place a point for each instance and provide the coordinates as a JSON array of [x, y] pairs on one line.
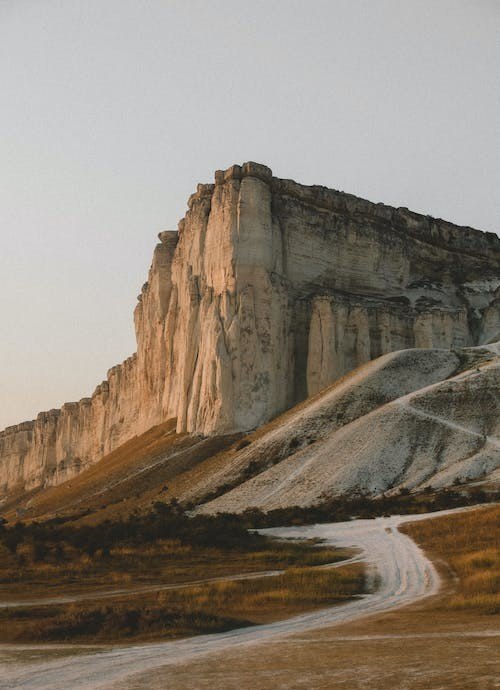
[[268, 292]]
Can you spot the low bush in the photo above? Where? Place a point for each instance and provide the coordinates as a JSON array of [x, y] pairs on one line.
[[343, 508], [191, 610]]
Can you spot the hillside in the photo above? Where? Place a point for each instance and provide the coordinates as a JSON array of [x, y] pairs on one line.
[[269, 292], [408, 420]]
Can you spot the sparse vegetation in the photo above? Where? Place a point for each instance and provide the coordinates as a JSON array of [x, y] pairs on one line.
[[188, 611], [469, 543], [167, 545], [343, 508], [162, 545]]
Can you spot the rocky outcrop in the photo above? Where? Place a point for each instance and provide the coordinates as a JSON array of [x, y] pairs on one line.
[[268, 292]]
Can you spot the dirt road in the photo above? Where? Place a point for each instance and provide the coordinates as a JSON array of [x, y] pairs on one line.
[[401, 571]]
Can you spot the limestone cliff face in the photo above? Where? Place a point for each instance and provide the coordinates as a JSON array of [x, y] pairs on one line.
[[269, 291]]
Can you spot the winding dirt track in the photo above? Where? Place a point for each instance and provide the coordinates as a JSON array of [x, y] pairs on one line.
[[403, 573]]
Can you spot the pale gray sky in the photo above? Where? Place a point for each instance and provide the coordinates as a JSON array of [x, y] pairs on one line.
[[112, 110]]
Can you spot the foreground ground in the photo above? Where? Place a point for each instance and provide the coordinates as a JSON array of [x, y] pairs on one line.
[[450, 641], [406, 650], [402, 574], [159, 575], [432, 643]]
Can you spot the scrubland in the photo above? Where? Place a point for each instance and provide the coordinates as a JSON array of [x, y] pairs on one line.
[[203, 608], [447, 642], [164, 550]]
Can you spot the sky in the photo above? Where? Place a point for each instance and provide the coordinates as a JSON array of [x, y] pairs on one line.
[[111, 111]]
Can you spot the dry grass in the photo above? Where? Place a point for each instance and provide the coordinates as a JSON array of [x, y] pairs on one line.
[[437, 643], [469, 543], [327, 660], [192, 610], [261, 598], [134, 475], [423, 646], [161, 562]]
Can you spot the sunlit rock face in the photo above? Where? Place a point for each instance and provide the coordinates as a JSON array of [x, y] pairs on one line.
[[268, 292]]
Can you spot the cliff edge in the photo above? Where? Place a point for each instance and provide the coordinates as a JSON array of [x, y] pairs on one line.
[[269, 291]]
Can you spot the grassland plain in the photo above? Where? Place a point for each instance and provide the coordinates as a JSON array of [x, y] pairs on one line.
[[165, 561], [432, 645], [152, 576], [191, 610]]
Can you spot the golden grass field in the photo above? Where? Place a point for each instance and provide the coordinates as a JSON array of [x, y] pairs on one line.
[[469, 543], [433, 645], [203, 608], [163, 561]]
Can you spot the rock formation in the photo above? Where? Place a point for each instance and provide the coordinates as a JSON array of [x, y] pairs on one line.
[[408, 420], [269, 291]]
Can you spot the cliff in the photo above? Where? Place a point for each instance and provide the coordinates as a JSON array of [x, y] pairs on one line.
[[268, 292]]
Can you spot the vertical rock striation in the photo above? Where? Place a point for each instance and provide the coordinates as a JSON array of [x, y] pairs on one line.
[[268, 292]]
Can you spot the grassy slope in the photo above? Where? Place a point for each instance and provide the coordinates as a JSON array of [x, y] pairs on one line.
[[161, 464], [131, 477]]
